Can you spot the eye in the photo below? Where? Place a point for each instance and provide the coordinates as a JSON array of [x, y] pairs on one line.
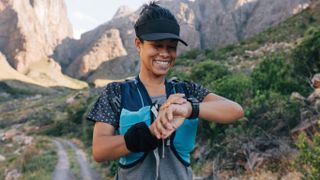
[[157, 46], [172, 47]]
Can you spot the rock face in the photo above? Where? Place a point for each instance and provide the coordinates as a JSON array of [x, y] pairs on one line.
[[29, 33], [122, 11], [101, 47], [30, 30], [223, 22], [108, 46], [204, 24], [8, 73]]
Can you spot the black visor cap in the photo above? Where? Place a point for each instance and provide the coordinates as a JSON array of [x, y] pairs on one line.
[[159, 29]]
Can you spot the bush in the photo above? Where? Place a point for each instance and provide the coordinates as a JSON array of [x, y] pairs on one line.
[[308, 161], [235, 87], [208, 71], [273, 112], [276, 74], [192, 54], [307, 54]]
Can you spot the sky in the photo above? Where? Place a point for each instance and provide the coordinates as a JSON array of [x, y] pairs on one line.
[[85, 15]]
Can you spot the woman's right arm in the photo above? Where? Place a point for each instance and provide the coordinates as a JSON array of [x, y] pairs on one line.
[[106, 145]]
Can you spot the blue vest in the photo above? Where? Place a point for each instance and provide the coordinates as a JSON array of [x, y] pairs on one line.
[[136, 107]]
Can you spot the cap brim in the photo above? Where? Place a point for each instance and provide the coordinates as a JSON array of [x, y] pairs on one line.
[[161, 36]]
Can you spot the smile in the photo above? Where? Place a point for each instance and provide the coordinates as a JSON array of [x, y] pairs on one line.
[[162, 62]]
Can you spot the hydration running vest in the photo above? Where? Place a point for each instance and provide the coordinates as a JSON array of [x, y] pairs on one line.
[[136, 107]]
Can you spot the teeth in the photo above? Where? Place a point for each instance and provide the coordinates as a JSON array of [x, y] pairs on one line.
[[162, 62]]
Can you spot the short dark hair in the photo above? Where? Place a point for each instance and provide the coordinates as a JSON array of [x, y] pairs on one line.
[[157, 23], [153, 11]]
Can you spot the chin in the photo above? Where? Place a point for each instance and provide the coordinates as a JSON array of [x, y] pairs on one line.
[[160, 73]]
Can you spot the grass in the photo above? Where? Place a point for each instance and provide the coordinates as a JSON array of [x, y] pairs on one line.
[[74, 165], [35, 162]]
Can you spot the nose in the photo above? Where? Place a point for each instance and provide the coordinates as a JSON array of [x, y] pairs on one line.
[[164, 53]]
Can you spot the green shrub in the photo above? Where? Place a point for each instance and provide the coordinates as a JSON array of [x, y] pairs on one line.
[[306, 56], [275, 73], [208, 71], [308, 161], [192, 54], [236, 87], [273, 112], [38, 162]]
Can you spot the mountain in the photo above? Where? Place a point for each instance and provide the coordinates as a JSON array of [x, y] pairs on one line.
[[35, 34], [205, 24], [29, 33]]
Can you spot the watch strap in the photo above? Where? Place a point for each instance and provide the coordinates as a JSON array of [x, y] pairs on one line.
[[195, 108]]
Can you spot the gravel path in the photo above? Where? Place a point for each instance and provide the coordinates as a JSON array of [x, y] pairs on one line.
[[62, 171], [86, 172]]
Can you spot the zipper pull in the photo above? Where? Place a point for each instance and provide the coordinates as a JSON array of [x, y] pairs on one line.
[[168, 142], [163, 141]]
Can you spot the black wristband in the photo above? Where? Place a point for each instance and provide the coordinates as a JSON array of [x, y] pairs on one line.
[[195, 108], [138, 138]]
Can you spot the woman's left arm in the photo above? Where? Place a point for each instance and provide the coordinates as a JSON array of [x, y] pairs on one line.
[[218, 109]]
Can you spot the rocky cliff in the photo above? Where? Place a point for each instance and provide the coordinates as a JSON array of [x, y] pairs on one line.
[[224, 22], [30, 30], [204, 24]]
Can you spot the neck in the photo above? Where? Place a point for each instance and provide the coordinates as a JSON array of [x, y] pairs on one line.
[[151, 80]]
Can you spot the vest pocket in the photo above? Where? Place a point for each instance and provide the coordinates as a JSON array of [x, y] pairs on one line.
[[130, 118], [185, 138]]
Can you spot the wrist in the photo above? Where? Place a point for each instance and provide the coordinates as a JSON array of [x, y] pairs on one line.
[[195, 105], [189, 109], [139, 138]]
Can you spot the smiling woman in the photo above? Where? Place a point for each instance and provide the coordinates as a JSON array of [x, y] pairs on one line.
[[154, 116]]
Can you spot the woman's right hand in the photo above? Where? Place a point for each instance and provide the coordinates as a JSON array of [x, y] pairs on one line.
[[163, 127]]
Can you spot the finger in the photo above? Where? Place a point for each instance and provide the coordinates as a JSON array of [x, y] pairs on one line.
[[169, 113], [160, 128], [164, 136], [168, 126], [180, 101], [155, 131], [165, 121], [174, 97]]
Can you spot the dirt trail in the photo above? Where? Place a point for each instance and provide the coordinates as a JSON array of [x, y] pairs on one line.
[[86, 172], [62, 171], [62, 168]]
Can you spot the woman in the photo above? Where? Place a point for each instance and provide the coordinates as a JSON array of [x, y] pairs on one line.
[[153, 142]]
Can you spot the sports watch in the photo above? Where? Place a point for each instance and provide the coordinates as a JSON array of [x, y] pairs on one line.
[[195, 107]]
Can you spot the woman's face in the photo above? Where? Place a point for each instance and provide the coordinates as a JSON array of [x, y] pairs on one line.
[[157, 57]]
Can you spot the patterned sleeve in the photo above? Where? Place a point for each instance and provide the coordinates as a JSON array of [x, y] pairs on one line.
[[197, 91], [104, 110]]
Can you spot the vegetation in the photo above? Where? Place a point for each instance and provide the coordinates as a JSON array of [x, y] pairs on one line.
[[309, 158], [35, 162]]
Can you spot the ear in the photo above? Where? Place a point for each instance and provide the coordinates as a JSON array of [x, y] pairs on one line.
[[138, 44]]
